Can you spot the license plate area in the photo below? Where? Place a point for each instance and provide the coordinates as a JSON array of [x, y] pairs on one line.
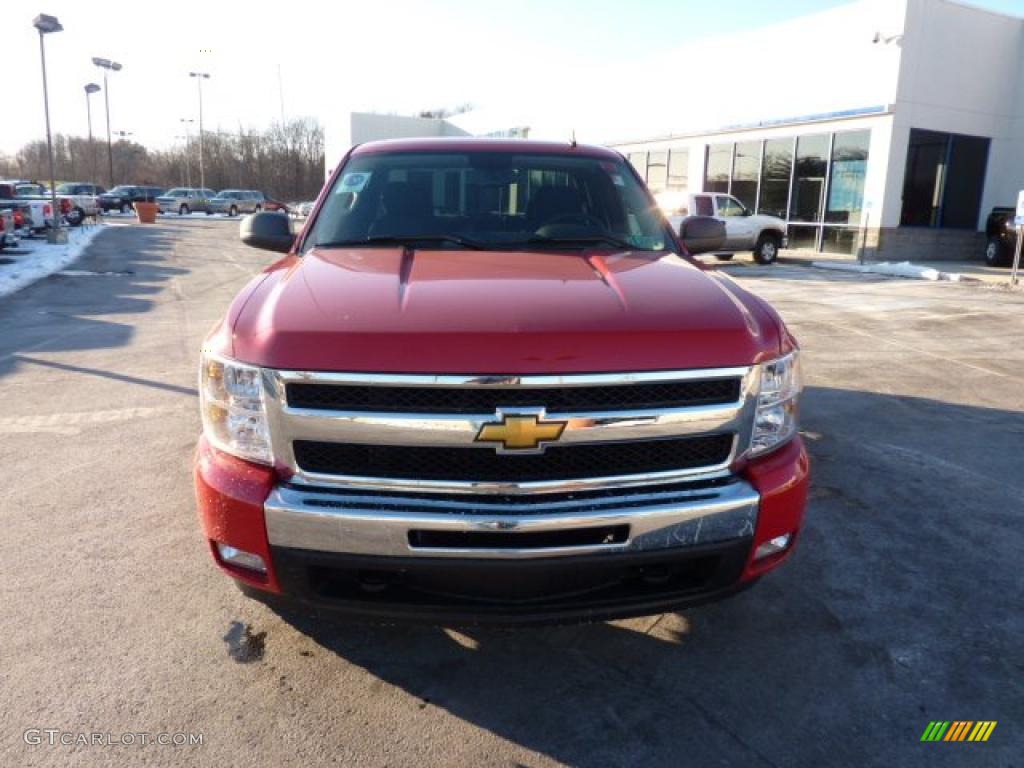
[[497, 540]]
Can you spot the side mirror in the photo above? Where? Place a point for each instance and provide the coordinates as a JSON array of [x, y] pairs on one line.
[[702, 234], [268, 231]]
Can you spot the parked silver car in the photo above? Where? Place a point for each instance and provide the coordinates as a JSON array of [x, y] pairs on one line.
[[182, 200], [236, 201]]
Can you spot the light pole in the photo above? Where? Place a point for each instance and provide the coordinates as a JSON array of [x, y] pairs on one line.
[[107, 66], [188, 151], [47, 24], [90, 89], [200, 76]]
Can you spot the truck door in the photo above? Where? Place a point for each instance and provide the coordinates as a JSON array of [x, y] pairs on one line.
[[739, 229]]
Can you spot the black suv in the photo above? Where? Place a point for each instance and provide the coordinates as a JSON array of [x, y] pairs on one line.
[[121, 198], [1002, 237]]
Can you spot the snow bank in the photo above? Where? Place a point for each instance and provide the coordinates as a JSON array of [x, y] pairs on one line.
[[893, 269], [35, 259]]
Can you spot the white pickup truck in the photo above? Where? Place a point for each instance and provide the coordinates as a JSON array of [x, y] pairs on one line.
[[82, 200], [745, 230], [36, 208]]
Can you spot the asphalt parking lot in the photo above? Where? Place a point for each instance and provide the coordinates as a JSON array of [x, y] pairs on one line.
[[902, 604]]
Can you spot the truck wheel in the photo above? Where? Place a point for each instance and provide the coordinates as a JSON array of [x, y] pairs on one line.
[[233, 211], [767, 249], [182, 209], [996, 254], [75, 217], [724, 256]]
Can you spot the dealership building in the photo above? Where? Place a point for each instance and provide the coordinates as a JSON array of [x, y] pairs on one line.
[[880, 129]]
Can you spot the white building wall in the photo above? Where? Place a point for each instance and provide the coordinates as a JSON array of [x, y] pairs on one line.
[[960, 73], [353, 128]]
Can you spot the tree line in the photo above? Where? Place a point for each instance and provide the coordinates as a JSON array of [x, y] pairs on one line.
[[285, 162]]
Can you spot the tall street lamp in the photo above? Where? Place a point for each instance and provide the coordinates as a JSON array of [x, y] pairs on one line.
[[46, 25], [188, 151], [200, 76], [90, 89], [107, 66]]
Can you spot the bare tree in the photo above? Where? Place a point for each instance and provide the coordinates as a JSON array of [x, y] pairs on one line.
[[285, 162]]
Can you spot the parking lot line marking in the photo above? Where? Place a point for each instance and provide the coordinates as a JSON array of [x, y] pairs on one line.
[[900, 345]]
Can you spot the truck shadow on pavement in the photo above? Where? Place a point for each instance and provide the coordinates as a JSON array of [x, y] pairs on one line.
[[892, 611], [120, 273]]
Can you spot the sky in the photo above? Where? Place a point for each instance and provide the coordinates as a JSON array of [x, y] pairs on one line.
[[381, 55]]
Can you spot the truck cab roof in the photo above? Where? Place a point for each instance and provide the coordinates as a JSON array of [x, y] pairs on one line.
[[474, 144]]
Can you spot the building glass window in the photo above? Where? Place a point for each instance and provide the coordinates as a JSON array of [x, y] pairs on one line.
[[807, 196], [639, 161], [718, 168], [839, 240], [657, 171], [943, 181], [968, 158], [775, 173], [846, 179], [803, 237], [924, 178], [679, 169], [745, 171]]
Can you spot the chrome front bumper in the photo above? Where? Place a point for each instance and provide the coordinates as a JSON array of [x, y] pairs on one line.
[[386, 525]]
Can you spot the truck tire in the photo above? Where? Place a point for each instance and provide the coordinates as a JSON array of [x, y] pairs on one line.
[[767, 249], [996, 253], [75, 217], [233, 211], [724, 256], [182, 209]]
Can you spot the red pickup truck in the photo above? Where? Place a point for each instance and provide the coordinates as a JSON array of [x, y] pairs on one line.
[[488, 383]]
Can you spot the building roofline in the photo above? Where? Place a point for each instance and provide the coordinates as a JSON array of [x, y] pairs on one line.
[[821, 117]]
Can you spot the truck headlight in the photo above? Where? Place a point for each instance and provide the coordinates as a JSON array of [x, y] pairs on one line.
[[776, 419], [231, 401]]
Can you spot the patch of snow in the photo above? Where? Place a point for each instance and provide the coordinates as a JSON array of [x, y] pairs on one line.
[[893, 269], [36, 259]]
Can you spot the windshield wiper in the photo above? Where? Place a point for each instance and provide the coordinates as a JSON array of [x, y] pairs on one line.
[[409, 241], [584, 240]]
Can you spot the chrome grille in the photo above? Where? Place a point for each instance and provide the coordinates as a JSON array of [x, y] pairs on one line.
[[622, 397], [621, 429], [556, 463]]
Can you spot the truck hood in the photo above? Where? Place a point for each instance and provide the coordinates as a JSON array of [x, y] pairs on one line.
[[460, 311]]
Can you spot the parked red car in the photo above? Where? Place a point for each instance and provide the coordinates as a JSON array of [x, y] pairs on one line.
[[274, 205], [489, 383]]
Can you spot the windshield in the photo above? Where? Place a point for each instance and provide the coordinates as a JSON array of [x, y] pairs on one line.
[[67, 189], [121, 191], [489, 200]]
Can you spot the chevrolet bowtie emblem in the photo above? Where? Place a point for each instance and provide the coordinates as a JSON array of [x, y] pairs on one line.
[[521, 434]]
